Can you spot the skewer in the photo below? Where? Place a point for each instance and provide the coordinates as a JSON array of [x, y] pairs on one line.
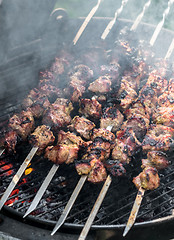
[[70, 203], [85, 23], [160, 25], [42, 189], [72, 199], [2, 151], [112, 22], [95, 208], [141, 191], [17, 176], [140, 16]]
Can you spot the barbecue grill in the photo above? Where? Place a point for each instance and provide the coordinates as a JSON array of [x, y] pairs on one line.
[[21, 66]]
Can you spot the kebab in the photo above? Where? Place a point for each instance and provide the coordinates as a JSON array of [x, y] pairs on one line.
[[158, 144]]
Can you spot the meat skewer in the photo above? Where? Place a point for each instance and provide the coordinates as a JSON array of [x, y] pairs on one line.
[[141, 190]]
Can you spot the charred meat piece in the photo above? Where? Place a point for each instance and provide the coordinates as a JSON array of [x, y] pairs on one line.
[[22, 123], [9, 139], [101, 85], [57, 116], [41, 137], [138, 124], [166, 99], [158, 138], [126, 94], [115, 167], [148, 97], [155, 159], [78, 80], [105, 135], [111, 117], [98, 173], [50, 91], [62, 153], [147, 179], [112, 70], [69, 138], [158, 83], [171, 85], [126, 145], [59, 66], [90, 108], [83, 126], [164, 115]]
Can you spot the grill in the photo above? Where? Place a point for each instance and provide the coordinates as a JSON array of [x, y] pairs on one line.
[[157, 206]]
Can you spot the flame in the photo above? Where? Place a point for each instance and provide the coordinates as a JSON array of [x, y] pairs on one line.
[[28, 170], [6, 167], [11, 201]]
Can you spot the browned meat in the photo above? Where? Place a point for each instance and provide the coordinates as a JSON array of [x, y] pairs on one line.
[[105, 136], [148, 97], [59, 65], [57, 116], [98, 173], [171, 85], [155, 159], [83, 126], [158, 83], [126, 94], [101, 85], [166, 99], [9, 141], [90, 108], [158, 138], [164, 115], [69, 138], [115, 167], [84, 166], [138, 124], [126, 145], [22, 123], [78, 80], [137, 108], [147, 179], [50, 90], [111, 117], [41, 137], [111, 70], [62, 153]]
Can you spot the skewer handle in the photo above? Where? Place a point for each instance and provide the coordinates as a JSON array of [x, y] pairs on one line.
[[85, 23], [170, 50], [134, 211], [70, 203], [42, 189], [17, 176], [95, 208]]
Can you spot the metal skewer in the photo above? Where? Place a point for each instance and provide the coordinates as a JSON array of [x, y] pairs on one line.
[[95, 208], [85, 23], [42, 189], [17, 176], [112, 22], [141, 191], [160, 25]]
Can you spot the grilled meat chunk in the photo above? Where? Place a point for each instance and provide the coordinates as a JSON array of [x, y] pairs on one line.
[[112, 70], [9, 139], [101, 85], [83, 126], [105, 136], [137, 108], [59, 65], [41, 137], [62, 153], [126, 145], [111, 117], [164, 115], [158, 138], [171, 85], [22, 123], [69, 138], [115, 167], [155, 159], [98, 173], [126, 94], [90, 108], [57, 116], [147, 179], [166, 99]]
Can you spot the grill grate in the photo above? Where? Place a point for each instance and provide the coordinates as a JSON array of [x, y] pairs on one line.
[[115, 208]]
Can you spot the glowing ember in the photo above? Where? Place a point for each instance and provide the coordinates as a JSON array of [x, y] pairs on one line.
[[11, 201], [6, 167]]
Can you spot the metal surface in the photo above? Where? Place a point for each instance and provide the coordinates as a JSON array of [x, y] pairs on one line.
[[70, 203], [42, 189], [134, 211], [17, 176], [95, 208]]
